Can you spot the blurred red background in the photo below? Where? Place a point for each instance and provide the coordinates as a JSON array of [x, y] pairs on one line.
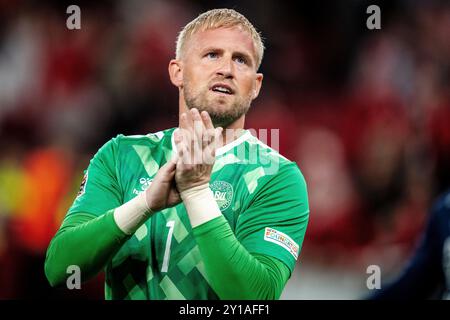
[[364, 113]]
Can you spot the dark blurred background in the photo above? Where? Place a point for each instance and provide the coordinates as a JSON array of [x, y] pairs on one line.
[[364, 113]]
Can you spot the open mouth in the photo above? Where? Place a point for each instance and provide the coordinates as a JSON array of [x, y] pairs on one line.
[[222, 88]]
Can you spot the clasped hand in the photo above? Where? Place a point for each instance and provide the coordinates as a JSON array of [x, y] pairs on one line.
[[196, 142]]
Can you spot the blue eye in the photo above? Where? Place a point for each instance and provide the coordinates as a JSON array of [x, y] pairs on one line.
[[211, 55], [241, 60]]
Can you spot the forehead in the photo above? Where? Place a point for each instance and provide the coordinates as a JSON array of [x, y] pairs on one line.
[[230, 38]]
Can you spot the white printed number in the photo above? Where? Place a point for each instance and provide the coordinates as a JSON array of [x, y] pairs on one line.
[[165, 266]]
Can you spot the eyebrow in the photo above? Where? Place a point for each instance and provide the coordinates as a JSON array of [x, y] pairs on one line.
[[235, 53]]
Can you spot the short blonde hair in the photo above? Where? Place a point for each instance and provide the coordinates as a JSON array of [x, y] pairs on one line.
[[218, 18]]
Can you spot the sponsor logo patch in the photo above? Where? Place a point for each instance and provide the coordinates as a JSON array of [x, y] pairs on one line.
[[282, 240]]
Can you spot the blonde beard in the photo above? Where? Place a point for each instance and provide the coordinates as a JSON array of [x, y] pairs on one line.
[[219, 119]]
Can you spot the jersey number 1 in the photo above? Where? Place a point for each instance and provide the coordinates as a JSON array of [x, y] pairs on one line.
[[165, 265]]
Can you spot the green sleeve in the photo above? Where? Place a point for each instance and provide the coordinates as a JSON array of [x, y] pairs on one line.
[[86, 241], [100, 189], [232, 271], [275, 220], [89, 236]]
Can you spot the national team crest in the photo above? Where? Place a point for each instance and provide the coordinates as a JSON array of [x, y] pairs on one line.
[[223, 193]]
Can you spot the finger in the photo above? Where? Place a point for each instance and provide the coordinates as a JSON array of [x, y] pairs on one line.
[[171, 173], [170, 165], [185, 129], [217, 137], [166, 172], [208, 136], [189, 119], [209, 155], [206, 139], [184, 156], [197, 123], [183, 135], [174, 196], [188, 145], [174, 158], [207, 120], [179, 139], [197, 137], [184, 121], [177, 135]]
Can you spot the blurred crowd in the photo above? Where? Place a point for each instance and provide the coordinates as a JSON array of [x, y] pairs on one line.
[[364, 113]]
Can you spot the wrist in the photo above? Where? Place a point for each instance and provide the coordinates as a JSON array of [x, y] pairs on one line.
[[194, 190], [185, 187], [153, 199], [150, 204], [200, 204], [132, 214]]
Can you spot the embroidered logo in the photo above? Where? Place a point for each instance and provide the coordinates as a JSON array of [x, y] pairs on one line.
[[144, 184], [282, 240], [223, 193]]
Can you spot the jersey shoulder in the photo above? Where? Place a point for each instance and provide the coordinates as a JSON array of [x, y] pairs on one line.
[[265, 152], [151, 139], [269, 160], [125, 148], [270, 170]]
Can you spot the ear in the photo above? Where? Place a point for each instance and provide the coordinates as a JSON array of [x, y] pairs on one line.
[[258, 84], [176, 73]]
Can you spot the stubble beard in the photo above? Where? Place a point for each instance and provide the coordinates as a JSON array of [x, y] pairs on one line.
[[225, 118]]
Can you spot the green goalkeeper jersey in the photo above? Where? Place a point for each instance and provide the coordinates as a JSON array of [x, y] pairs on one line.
[[261, 194]]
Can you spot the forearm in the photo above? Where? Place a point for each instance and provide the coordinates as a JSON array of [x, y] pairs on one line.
[[232, 271], [86, 241], [89, 242]]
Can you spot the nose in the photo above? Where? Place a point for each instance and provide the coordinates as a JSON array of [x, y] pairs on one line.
[[226, 68]]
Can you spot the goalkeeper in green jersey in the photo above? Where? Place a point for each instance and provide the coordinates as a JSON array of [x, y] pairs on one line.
[[202, 211]]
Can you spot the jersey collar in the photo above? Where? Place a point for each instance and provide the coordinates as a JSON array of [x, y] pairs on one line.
[[243, 137]]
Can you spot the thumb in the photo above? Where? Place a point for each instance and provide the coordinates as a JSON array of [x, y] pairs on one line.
[[169, 166], [174, 158]]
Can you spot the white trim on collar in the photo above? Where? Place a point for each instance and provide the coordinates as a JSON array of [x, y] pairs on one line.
[[245, 136]]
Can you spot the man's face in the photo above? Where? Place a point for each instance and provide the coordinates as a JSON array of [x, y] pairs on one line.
[[219, 73]]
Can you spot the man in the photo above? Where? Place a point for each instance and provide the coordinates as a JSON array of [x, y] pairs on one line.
[[197, 212], [427, 275]]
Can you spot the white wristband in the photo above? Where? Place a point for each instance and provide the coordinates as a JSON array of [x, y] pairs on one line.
[[130, 216], [200, 204]]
